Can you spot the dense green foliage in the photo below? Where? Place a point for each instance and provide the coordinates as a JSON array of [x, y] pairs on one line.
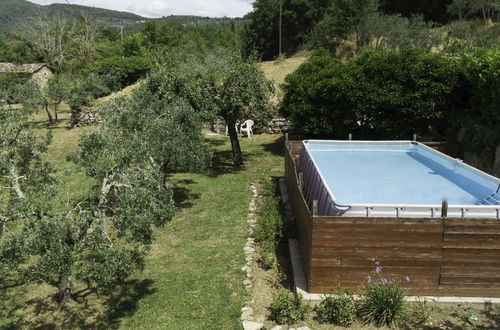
[[345, 27], [287, 307], [174, 34], [10, 83], [126, 70], [338, 308], [432, 10], [480, 116], [390, 94]]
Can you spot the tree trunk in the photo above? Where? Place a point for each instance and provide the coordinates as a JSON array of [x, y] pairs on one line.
[[55, 113], [51, 120], [16, 185], [105, 187], [64, 286], [164, 168], [235, 143]]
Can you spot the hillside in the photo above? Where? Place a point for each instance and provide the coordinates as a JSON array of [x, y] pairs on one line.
[[14, 12]]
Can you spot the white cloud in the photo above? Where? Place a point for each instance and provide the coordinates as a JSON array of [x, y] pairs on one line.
[[159, 8]]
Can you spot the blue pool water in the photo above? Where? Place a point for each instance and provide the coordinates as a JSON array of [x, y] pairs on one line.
[[397, 173]]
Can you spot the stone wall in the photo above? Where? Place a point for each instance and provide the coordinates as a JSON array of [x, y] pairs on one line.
[[85, 117], [274, 126], [278, 125], [89, 117]]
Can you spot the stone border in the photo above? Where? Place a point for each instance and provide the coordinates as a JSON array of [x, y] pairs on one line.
[[300, 283], [249, 249]]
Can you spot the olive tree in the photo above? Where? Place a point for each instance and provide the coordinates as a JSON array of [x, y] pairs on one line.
[[223, 84], [103, 238], [24, 174]]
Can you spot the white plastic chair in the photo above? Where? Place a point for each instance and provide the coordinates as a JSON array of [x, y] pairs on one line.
[[247, 127]]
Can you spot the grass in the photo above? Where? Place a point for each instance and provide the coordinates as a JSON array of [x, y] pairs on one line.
[[279, 69], [192, 278]]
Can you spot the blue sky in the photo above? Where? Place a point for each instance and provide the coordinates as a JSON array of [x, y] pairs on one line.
[[158, 8]]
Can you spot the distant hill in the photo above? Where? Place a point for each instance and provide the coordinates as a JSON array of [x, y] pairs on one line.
[[13, 12]]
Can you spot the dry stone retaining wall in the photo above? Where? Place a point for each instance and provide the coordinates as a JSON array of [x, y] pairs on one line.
[[85, 117]]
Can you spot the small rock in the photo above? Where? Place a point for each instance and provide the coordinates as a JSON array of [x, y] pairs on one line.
[[244, 268], [248, 249], [247, 282], [278, 327], [247, 325], [304, 328], [246, 313]]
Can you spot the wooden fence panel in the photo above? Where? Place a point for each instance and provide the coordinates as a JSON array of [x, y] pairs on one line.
[[344, 249], [471, 256], [300, 211]]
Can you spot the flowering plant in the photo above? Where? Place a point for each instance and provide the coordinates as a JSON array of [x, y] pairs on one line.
[[384, 300]]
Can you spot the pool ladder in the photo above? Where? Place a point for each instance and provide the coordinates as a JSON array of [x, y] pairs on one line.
[[493, 199]]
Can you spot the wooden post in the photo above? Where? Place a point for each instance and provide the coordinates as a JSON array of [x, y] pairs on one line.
[[414, 137], [350, 137], [315, 207], [444, 209]]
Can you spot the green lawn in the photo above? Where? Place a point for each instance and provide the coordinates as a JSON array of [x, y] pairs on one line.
[[192, 279]]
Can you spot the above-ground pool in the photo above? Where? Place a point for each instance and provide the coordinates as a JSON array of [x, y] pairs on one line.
[[393, 179]]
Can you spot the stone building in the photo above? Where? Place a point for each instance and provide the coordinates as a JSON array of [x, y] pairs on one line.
[[39, 72]]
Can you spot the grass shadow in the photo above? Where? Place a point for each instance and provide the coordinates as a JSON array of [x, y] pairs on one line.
[[182, 195], [45, 314], [277, 147], [222, 163], [124, 302], [215, 142]]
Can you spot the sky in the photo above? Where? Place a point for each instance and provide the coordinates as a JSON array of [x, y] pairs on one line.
[[159, 8]]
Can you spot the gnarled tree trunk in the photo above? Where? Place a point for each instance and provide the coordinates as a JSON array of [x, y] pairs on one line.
[[235, 143], [49, 115], [64, 287]]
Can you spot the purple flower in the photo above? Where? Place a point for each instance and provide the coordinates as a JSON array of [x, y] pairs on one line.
[[378, 269], [385, 281], [368, 279], [373, 259], [377, 263], [407, 278]]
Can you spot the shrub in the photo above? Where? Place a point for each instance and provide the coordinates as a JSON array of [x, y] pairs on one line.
[[265, 260], [480, 116], [339, 308], [379, 94], [287, 307], [383, 304], [424, 310], [127, 69], [269, 226], [10, 83], [384, 300]]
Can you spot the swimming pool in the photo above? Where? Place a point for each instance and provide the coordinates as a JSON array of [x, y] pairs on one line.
[[393, 179]]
